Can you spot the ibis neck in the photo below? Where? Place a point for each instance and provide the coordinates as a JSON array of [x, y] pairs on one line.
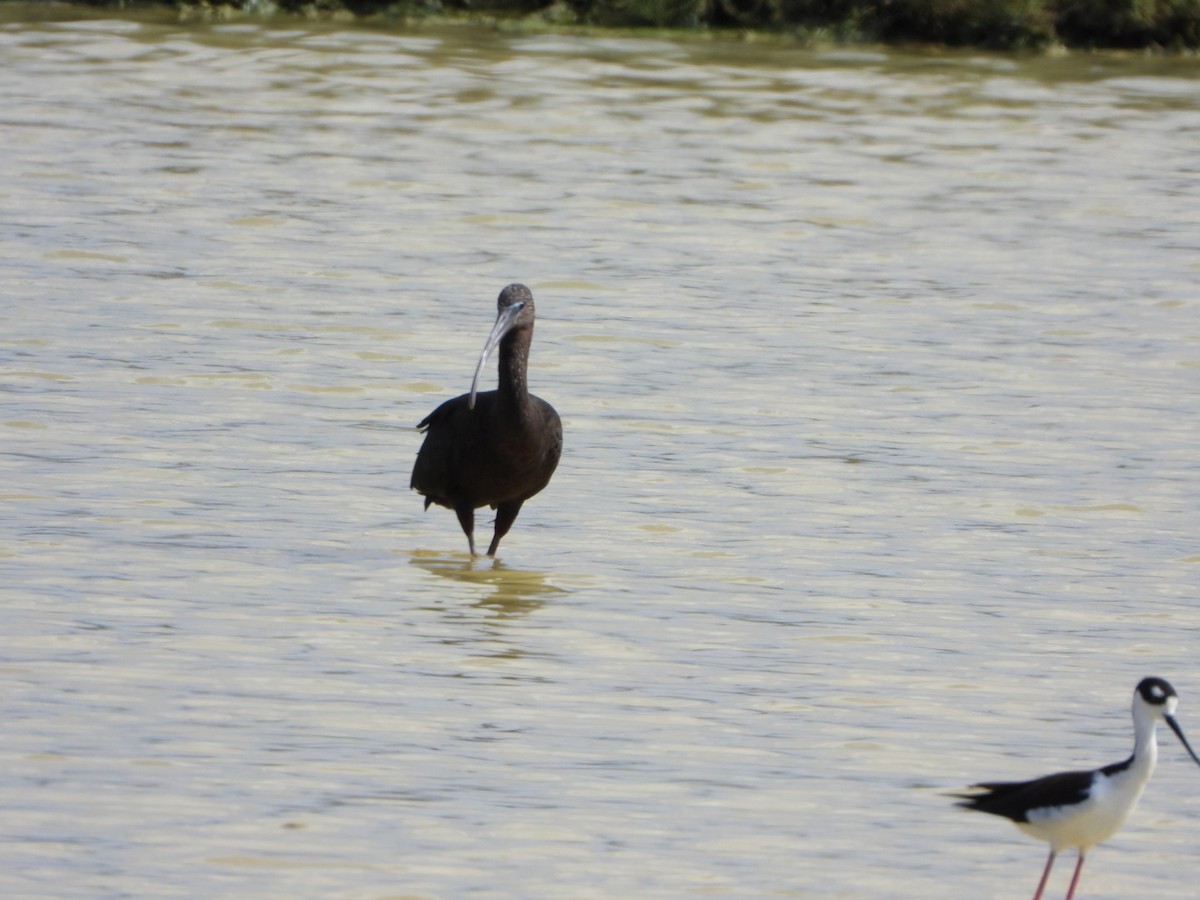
[[514, 360]]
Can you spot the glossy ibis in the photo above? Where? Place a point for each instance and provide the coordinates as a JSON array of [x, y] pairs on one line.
[[496, 448], [1081, 809]]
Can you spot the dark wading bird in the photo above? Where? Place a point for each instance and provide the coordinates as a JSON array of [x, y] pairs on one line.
[[1081, 809], [496, 448]]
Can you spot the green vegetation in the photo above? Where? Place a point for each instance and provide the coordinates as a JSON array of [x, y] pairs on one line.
[[994, 24]]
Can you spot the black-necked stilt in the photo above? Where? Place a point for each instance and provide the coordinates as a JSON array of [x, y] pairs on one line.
[[1081, 809]]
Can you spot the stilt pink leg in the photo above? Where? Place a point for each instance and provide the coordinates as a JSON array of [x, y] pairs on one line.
[[1045, 876], [1075, 877]]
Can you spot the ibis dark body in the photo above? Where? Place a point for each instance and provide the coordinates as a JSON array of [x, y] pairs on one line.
[[495, 448]]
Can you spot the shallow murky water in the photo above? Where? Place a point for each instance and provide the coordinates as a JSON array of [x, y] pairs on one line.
[[880, 375]]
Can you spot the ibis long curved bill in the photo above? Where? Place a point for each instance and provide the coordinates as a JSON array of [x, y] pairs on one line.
[[506, 321]]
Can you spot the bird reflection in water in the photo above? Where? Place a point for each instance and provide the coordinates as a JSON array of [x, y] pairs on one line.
[[513, 592]]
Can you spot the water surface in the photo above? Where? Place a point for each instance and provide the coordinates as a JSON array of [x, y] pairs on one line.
[[879, 376]]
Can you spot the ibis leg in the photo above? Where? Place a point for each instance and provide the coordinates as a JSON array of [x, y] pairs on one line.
[[506, 514], [466, 518]]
